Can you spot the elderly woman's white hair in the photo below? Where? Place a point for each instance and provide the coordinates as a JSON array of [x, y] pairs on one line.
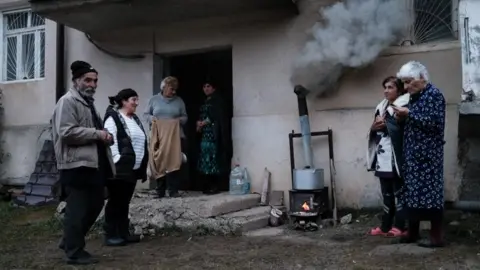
[[170, 80], [415, 70]]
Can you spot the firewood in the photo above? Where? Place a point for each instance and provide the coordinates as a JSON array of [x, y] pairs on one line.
[[265, 187]]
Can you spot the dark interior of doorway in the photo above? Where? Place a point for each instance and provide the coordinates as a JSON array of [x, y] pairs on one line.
[[192, 70]]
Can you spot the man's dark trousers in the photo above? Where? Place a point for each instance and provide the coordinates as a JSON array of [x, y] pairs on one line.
[[85, 200]]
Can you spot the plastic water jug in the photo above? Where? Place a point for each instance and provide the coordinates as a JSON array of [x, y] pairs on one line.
[[237, 181]]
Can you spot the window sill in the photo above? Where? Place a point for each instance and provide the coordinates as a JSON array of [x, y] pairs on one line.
[[428, 47], [23, 81]]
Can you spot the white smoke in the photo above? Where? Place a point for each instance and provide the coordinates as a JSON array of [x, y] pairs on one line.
[[352, 35]]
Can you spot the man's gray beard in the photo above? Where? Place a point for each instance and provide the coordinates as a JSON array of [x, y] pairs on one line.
[[87, 92]]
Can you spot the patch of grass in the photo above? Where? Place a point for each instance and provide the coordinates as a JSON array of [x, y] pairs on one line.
[[23, 223], [24, 231]]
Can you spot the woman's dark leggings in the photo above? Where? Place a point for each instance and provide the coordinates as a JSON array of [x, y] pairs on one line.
[[170, 182], [173, 180], [392, 209]]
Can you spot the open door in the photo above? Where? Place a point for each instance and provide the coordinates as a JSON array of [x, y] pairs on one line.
[[161, 69], [469, 23], [192, 70]]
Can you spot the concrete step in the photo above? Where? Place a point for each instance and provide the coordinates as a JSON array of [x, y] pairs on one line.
[[251, 219], [267, 232], [223, 203]]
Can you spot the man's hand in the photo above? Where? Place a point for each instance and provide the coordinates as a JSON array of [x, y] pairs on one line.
[[400, 112], [110, 139], [106, 136]]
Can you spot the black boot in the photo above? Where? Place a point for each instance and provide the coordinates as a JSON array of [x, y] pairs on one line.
[[213, 179], [206, 185], [126, 235], [82, 258], [161, 187], [112, 237], [172, 182]]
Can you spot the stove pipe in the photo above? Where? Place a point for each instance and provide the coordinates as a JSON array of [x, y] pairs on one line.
[[302, 93]]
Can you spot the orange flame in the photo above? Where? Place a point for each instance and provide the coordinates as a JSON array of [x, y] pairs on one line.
[[305, 206]]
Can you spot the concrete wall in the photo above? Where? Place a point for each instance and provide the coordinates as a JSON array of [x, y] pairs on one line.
[[265, 108]]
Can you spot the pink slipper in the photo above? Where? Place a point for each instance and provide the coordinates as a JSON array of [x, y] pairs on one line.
[[377, 231], [395, 232]]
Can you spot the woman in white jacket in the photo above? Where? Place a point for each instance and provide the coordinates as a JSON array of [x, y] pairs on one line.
[[385, 158]]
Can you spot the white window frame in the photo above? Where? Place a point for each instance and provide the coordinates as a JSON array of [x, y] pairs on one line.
[[37, 30], [436, 45]]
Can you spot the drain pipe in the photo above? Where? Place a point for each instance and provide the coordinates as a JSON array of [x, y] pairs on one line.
[[60, 62]]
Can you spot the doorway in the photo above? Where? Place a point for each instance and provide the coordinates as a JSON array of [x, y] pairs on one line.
[[192, 70]]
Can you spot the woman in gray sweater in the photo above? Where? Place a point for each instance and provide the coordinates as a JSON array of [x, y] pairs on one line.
[[167, 105]]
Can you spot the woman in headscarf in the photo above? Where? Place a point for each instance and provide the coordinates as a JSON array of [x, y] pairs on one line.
[[167, 105], [423, 153], [385, 156], [129, 153], [214, 154]]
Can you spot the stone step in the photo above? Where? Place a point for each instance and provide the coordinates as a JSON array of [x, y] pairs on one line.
[[223, 203], [251, 219], [34, 200], [38, 190]]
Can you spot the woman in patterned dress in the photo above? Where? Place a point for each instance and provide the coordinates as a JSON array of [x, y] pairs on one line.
[[385, 156], [423, 153], [213, 158]]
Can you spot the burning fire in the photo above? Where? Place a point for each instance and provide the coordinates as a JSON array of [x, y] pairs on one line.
[[305, 206]]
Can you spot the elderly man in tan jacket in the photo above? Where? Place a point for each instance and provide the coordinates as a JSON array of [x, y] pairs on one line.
[[83, 159]]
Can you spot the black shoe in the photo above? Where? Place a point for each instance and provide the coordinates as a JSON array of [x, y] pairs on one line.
[[83, 252], [174, 194], [132, 238], [82, 261], [160, 193], [213, 191], [114, 242], [83, 258]]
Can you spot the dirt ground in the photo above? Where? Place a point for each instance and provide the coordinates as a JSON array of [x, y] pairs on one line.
[[28, 240]]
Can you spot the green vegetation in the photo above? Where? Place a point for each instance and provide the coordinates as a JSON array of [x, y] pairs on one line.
[[18, 224]]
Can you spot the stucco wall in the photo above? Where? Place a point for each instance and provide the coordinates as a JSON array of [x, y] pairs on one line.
[[27, 110], [265, 108]]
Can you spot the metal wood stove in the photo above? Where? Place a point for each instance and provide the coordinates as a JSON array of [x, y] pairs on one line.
[[309, 197]]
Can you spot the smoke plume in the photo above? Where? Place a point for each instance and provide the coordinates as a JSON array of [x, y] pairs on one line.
[[352, 35]]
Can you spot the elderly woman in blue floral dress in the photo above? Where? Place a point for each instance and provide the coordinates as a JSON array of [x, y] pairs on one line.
[[423, 153]]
